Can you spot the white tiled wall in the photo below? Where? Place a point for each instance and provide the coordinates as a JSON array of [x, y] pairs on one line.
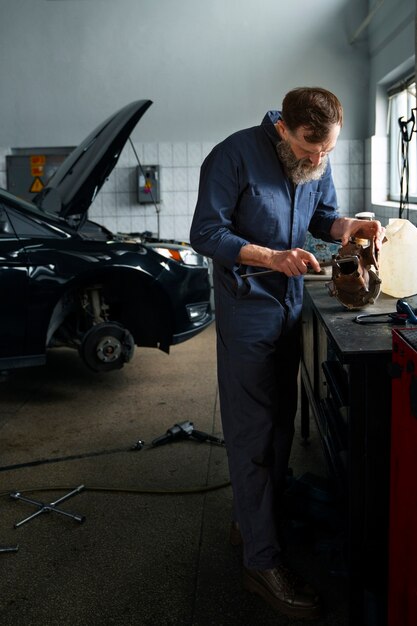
[[179, 176], [117, 207], [347, 161]]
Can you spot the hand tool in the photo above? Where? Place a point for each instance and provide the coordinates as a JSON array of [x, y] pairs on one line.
[[184, 430], [403, 315], [404, 308], [264, 272], [45, 508], [9, 548]]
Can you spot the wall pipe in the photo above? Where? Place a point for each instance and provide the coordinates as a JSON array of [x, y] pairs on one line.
[[366, 21]]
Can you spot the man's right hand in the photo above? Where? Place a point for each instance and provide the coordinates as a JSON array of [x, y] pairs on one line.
[[293, 262]]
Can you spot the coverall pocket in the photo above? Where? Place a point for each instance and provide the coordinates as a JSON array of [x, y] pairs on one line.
[[243, 286], [231, 283], [257, 217], [313, 201]]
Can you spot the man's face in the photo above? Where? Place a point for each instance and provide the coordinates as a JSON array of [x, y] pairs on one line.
[[302, 160]]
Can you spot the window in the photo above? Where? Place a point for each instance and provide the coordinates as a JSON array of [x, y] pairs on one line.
[[403, 142]]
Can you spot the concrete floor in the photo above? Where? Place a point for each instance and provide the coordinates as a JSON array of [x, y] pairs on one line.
[[154, 547]]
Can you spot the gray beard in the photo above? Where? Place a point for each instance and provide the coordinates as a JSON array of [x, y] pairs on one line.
[[299, 171]]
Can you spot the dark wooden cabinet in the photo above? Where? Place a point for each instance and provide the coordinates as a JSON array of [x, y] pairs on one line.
[[346, 388]]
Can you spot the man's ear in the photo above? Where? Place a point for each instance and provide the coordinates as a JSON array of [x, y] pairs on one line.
[[282, 129]]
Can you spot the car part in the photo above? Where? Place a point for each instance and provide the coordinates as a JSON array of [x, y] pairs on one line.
[[355, 281], [106, 346]]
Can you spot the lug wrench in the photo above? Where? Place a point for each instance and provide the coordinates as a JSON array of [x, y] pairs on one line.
[[9, 548], [45, 508], [263, 272]]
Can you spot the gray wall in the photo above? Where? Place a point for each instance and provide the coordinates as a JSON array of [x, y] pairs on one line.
[[391, 54], [392, 41], [211, 67]]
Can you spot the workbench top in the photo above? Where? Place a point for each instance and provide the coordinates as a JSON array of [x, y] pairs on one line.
[[352, 340]]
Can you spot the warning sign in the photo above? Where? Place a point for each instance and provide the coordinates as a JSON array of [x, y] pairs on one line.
[[37, 163], [37, 185]]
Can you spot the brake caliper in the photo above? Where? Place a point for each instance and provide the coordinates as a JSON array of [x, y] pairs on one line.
[[355, 281]]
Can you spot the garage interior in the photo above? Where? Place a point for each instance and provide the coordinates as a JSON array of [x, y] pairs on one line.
[[154, 546]]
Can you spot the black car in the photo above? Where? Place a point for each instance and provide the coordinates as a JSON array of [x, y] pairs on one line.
[[67, 281]]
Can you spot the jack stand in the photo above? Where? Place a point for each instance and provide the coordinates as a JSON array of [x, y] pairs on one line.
[[45, 508]]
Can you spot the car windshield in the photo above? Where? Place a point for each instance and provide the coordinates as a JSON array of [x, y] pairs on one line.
[[27, 206]]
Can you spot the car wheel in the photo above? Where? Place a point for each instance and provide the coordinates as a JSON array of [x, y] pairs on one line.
[[107, 346]]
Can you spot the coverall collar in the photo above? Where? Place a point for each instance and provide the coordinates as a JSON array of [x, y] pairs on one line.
[[268, 124]]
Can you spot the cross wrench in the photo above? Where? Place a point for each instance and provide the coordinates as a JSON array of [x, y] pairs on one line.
[[45, 508], [9, 548]]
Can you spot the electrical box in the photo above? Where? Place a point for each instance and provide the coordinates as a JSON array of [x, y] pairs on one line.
[[148, 184], [30, 169]]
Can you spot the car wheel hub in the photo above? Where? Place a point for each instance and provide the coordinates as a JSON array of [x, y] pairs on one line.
[[106, 346], [109, 349]]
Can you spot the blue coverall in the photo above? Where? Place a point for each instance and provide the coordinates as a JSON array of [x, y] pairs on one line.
[[245, 197]]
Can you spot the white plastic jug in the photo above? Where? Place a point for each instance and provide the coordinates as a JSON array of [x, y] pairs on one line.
[[398, 259]]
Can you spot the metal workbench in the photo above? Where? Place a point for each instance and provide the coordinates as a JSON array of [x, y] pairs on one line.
[[346, 387]]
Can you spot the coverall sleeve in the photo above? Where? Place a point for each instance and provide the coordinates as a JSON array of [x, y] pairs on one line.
[[212, 231]]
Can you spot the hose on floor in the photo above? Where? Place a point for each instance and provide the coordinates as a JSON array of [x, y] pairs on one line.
[[138, 446], [96, 488]]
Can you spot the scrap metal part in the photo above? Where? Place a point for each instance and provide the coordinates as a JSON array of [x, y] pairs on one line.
[[355, 281]]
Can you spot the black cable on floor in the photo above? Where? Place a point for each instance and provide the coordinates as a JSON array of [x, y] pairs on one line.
[[96, 488], [138, 446]]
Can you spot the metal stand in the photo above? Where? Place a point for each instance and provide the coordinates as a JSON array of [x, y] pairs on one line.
[[45, 508]]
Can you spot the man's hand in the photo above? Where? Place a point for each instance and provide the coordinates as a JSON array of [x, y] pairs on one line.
[[345, 227], [294, 262], [290, 262]]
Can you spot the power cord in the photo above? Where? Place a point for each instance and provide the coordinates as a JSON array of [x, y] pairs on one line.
[[183, 430]]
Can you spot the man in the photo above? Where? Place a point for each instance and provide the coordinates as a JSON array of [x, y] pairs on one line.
[[261, 189]]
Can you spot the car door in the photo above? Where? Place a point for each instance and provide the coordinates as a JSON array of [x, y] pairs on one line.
[[13, 292]]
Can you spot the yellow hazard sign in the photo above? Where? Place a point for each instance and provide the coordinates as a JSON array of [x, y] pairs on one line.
[[36, 186]]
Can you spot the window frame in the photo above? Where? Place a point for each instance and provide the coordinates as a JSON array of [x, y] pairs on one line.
[[401, 102]]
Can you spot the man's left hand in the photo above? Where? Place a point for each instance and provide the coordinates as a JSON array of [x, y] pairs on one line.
[[346, 228]]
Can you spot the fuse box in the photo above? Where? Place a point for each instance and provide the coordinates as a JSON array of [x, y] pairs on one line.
[[148, 184]]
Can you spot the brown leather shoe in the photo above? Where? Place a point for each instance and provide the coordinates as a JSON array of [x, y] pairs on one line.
[[284, 590], [235, 537]]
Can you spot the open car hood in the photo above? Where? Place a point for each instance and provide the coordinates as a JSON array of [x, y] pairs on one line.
[[75, 184]]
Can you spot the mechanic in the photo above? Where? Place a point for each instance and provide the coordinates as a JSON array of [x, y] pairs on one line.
[[261, 190]]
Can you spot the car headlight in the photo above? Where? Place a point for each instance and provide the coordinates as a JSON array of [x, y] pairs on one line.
[[187, 256], [197, 312]]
